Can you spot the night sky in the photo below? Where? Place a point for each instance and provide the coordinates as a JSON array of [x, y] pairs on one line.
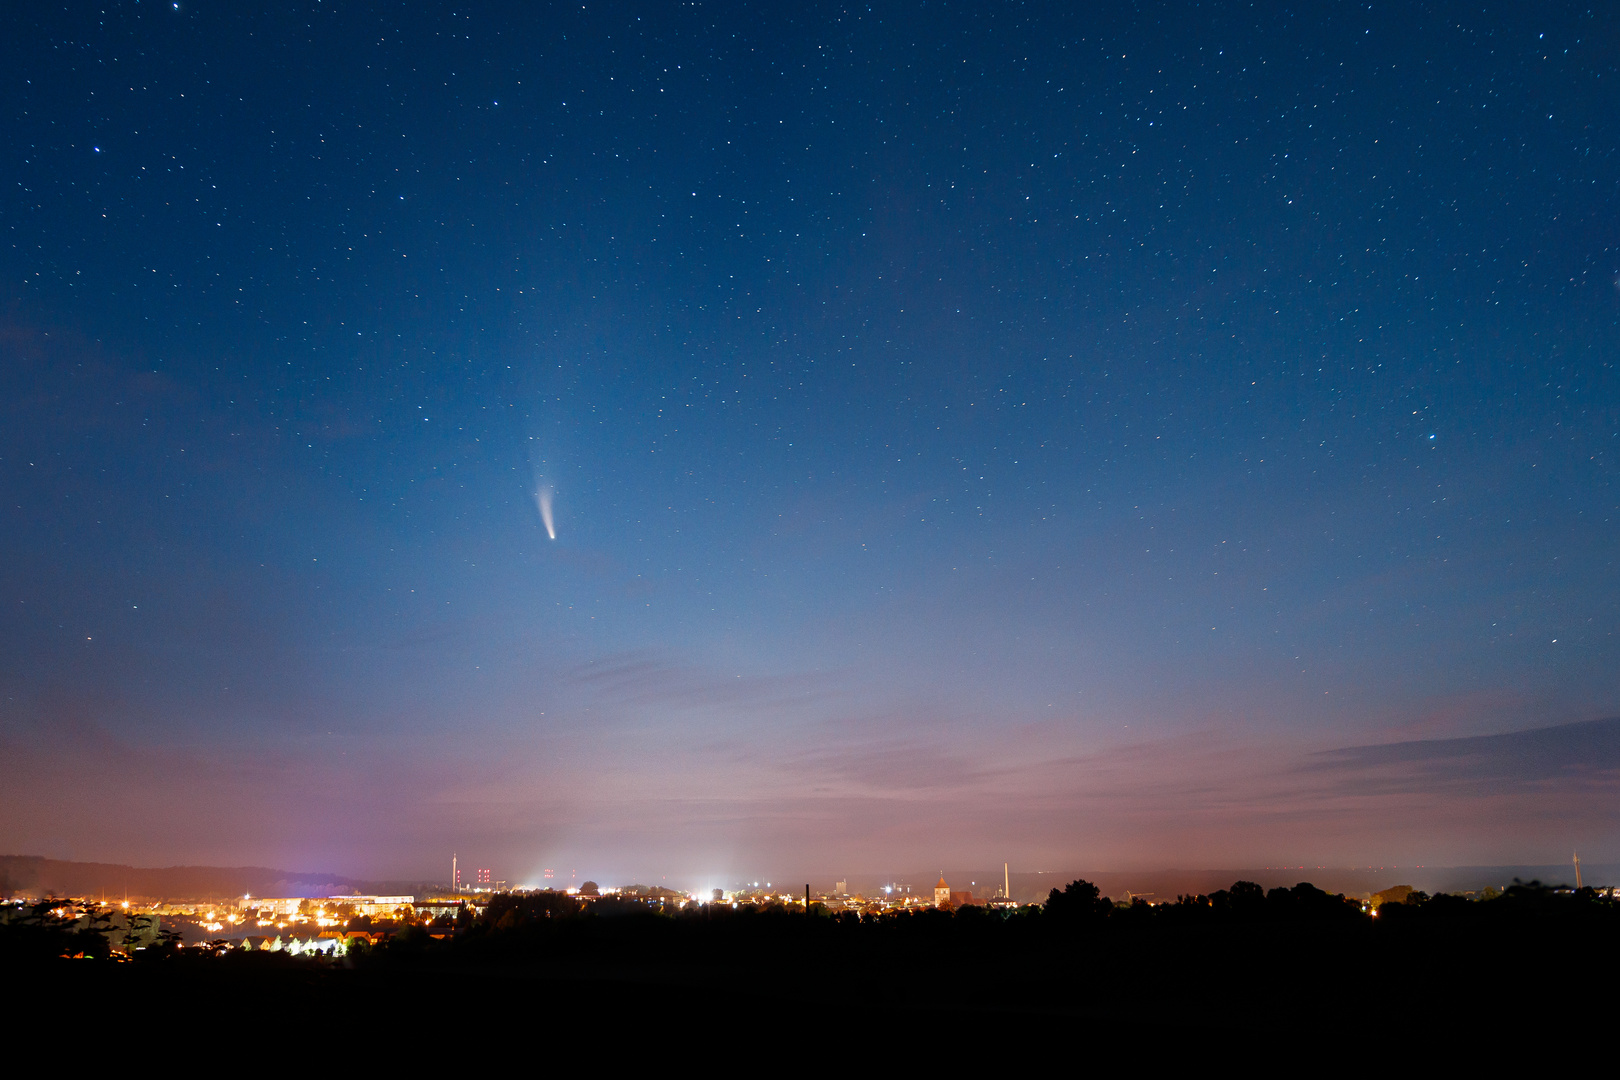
[[1070, 435]]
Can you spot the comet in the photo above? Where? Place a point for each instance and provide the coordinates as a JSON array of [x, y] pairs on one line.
[[542, 499]]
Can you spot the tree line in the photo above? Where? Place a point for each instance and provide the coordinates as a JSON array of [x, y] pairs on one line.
[[541, 925]]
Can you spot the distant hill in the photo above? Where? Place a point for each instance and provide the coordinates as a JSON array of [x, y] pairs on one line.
[[1158, 885], [30, 875]]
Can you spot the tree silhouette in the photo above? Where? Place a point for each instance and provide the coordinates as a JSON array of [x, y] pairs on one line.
[[1079, 902]]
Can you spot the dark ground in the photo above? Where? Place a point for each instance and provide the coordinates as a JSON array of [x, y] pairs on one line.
[[1443, 980]]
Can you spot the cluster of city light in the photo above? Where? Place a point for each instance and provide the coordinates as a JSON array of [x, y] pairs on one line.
[[328, 946], [214, 923], [747, 896], [316, 925]]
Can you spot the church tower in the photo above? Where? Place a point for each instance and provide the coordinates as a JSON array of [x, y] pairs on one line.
[[942, 893]]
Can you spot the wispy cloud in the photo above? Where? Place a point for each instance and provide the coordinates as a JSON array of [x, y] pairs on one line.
[[645, 678], [892, 768], [1584, 753]]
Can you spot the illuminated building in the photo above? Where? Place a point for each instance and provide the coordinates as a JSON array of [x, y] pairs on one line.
[[359, 905]]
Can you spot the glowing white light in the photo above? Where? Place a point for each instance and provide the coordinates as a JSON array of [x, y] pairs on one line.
[[542, 499]]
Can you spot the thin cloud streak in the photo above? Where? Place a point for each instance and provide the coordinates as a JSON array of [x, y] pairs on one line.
[[1581, 754], [645, 678]]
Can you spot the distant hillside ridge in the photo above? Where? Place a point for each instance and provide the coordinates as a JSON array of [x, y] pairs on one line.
[[32, 875], [1159, 885]]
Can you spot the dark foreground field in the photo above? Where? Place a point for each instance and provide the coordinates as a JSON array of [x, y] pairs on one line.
[[1299, 970]]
